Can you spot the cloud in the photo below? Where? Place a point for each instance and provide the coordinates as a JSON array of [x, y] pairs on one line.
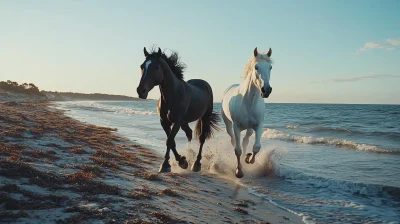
[[356, 78], [388, 45], [360, 78], [393, 42]]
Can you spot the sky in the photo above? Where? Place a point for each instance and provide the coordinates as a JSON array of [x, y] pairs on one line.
[[323, 51]]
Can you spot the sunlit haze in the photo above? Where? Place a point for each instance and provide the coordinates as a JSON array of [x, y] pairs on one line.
[[323, 51]]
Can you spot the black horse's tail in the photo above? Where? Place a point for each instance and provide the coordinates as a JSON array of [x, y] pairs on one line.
[[206, 126]]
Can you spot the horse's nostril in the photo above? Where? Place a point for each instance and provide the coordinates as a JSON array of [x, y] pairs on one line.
[[141, 91], [263, 90]]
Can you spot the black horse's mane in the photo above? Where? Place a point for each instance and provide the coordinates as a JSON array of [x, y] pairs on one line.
[[173, 61]]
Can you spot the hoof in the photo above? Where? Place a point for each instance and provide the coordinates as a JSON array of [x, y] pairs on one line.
[[247, 159], [183, 163], [239, 173], [250, 158], [196, 166], [165, 168]]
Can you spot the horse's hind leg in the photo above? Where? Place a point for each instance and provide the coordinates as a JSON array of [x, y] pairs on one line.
[[229, 128], [189, 133], [246, 139], [204, 129], [197, 165], [251, 158]]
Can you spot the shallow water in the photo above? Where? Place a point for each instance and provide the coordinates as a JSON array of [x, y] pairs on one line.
[[330, 163]]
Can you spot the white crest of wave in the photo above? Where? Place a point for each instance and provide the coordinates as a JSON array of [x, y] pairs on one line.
[[132, 111], [292, 126], [88, 105], [276, 134]]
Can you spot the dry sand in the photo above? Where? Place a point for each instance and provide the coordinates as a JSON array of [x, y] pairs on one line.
[[54, 169]]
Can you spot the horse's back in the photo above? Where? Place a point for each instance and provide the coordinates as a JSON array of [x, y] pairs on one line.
[[230, 88], [198, 83], [226, 100], [201, 99], [238, 112], [229, 92], [200, 87]]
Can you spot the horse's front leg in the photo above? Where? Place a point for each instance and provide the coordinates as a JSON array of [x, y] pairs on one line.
[[165, 166], [251, 157], [238, 151], [246, 139], [171, 145]]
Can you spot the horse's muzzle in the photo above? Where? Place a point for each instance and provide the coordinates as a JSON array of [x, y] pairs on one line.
[[265, 92], [142, 92]]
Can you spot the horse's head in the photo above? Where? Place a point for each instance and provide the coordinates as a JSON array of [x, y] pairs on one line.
[[152, 73], [262, 72]]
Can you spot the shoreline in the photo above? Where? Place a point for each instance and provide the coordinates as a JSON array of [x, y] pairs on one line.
[[86, 173]]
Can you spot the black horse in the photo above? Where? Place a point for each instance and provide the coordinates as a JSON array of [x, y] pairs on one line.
[[180, 103]]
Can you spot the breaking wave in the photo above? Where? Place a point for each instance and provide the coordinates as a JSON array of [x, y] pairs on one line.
[[100, 107], [329, 129], [362, 189], [131, 111], [341, 143], [292, 126]]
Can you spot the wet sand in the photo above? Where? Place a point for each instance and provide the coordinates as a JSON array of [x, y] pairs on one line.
[[54, 169]]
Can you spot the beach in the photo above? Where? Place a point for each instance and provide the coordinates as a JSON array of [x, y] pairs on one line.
[[300, 98], [55, 169]]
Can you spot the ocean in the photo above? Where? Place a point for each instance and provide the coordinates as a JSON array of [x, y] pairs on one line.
[[329, 163]]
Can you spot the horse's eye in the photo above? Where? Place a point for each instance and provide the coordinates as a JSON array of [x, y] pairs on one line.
[[270, 68], [256, 67]]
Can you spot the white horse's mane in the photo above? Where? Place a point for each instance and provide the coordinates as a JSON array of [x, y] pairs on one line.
[[253, 60]]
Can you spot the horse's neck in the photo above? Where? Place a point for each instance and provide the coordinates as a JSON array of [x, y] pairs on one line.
[[170, 86], [249, 91]]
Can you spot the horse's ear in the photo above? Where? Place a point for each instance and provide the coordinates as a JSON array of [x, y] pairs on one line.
[[255, 52], [269, 52], [159, 52], [145, 52]]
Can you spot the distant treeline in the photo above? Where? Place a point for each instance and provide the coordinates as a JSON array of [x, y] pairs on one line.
[[90, 96], [25, 88], [32, 90]]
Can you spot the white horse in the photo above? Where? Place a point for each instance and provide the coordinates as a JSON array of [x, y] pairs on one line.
[[243, 106]]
